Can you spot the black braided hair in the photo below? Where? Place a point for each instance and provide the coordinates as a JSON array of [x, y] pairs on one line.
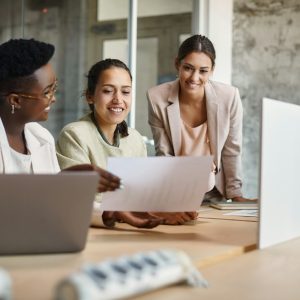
[[19, 59]]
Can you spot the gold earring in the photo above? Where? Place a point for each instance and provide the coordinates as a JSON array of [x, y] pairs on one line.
[[12, 109]]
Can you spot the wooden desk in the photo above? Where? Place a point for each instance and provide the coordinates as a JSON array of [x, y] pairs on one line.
[[272, 273], [207, 242]]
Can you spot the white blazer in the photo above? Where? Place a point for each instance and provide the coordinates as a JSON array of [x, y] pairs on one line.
[[41, 145]]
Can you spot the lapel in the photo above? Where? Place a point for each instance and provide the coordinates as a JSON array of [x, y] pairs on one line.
[[213, 122], [38, 150], [8, 166], [173, 112], [40, 155]]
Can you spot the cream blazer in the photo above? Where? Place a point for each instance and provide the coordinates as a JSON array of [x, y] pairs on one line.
[[80, 143], [40, 144], [224, 119]]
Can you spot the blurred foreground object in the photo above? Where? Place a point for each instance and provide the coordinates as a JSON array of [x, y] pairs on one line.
[[5, 286], [130, 275]]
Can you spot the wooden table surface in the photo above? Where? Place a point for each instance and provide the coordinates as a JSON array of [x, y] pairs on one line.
[[271, 273], [209, 241]]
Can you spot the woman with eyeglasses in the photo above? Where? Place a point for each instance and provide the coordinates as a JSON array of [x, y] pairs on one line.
[[27, 93], [27, 88]]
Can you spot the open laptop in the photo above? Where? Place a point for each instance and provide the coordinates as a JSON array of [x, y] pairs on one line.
[[45, 213], [279, 173]]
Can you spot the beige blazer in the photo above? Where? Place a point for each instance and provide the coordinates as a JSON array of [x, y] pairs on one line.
[[80, 143], [224, 119]]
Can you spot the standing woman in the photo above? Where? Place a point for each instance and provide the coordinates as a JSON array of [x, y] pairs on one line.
[[195, 116]]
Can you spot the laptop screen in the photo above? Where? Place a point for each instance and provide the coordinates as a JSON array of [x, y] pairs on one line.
[[279, 173], [46, 213]]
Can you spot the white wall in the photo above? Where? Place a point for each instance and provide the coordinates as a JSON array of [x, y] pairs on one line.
[[220, 33], [219, 24]]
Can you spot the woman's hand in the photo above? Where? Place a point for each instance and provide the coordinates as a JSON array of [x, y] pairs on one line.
[[136, 219], [242, 199], [176, 218], [107, 181]]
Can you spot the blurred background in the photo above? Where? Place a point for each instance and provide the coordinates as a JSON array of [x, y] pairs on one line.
[[257, 45]]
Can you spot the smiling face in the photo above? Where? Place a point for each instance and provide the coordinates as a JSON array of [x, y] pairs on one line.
[[112, 97], [35, 103], [194, 71]]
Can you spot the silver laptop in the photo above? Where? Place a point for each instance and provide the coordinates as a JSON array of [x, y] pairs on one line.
[[45, 213]]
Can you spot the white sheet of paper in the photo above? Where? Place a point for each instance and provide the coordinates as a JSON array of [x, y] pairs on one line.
[[243, 213], [158, 183]]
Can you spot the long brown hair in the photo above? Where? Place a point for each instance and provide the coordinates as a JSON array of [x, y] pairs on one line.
[[93, 77]]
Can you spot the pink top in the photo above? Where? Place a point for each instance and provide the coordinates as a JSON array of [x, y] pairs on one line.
[[195, 142]]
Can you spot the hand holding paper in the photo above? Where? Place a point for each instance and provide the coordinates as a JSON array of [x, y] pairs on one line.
[[170, 184]]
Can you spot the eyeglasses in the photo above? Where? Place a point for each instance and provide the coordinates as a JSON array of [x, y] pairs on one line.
[[49, 95]]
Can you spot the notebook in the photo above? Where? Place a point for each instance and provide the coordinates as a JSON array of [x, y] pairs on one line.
[[233, 205], [45, 213]]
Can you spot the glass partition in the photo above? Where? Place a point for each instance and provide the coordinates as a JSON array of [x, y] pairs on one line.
[[84, 32], [160, 25]]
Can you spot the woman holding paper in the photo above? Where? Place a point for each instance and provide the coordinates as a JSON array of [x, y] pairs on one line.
[[27, 92], [194, 115], [104, 132]]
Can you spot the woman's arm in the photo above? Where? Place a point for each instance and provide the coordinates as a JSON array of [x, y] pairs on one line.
[[136, 219], [73, 156], [231, 152], [107, 181], [70, 150]]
